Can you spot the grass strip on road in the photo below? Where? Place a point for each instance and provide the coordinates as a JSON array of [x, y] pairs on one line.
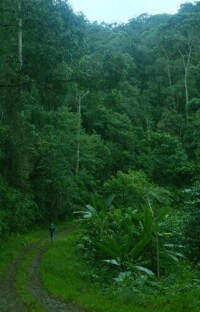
[[21, 283]]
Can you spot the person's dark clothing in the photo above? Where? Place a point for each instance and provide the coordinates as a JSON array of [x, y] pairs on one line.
[[52, 231]]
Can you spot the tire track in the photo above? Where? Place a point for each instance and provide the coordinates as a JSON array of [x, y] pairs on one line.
[[9, 299], [36, 287]]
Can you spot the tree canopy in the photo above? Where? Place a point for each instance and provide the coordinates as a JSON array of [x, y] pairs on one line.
[[98, 109]]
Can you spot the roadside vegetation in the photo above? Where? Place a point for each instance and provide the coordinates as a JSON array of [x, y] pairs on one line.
[[69, 276]]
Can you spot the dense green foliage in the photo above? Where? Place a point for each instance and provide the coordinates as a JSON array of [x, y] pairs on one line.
[[111, 110], [67, 276]]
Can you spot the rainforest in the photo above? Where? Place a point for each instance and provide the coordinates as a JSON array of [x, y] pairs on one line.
[[100, 135]]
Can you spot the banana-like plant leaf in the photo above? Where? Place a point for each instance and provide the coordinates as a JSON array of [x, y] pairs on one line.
[[122, 277], [126, 243], [173, 257], [161, 215], [143, 269], [112, 261], [148, 220], [98, 203], [165, 234], [178, 254], [139, 246], [110, 247], [161, 195], [91, 209], [109, 200]]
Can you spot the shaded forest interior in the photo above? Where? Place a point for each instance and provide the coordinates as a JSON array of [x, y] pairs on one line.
[[91, 112]]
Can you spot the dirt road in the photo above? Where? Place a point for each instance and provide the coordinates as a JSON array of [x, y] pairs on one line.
[[10, 301]]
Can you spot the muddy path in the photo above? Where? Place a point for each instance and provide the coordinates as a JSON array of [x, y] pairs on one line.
[[10, 300]]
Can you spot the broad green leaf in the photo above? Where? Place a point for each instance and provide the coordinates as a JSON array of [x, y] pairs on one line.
[[110, 247], [112, 261], [122, 276], [148, 220], [161, 215], [139, 246], [91, 209], [143, 269], [109, 200]]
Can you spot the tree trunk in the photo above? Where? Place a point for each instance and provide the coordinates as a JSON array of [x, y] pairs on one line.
[[170, 81], [158, 256], [79, 98], [20, 58], [186, 63]]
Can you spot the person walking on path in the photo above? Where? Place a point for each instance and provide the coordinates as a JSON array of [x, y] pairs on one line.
[[52, 231]]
